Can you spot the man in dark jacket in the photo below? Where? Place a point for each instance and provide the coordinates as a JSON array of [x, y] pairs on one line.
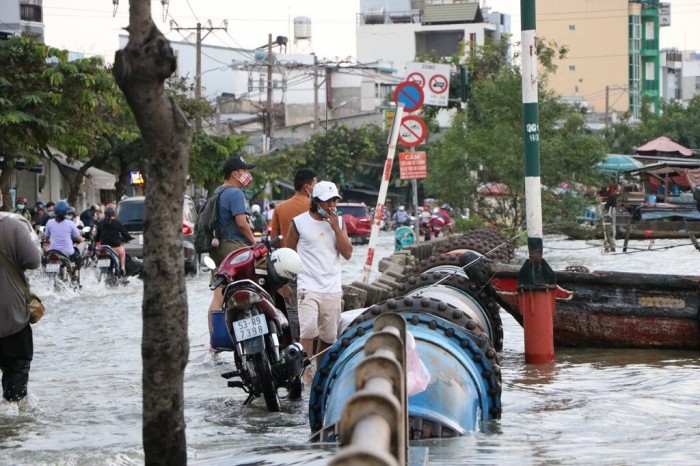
[[19, 245]]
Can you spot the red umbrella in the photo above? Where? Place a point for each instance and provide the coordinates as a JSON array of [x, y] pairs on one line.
[[665, 145]]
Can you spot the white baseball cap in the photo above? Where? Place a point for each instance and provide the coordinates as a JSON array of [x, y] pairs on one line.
[[325, 190]]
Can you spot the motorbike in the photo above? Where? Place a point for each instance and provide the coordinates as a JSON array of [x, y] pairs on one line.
[[58, 266], [431, 226], [108, 266], [253, 325], [87, 247]]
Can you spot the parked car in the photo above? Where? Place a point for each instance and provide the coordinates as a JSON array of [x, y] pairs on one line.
[[130, 213], [357, 221]]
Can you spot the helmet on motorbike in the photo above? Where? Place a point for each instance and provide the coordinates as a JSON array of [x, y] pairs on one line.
[[61, 208], [283, 266], [446, 208], [255, 209], [436, 210], [40, 205], [110, 211], [22, 200], [402, 207], [70, 214], [94, 207]]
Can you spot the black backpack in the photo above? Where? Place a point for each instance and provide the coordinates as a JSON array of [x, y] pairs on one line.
[[207, 226]]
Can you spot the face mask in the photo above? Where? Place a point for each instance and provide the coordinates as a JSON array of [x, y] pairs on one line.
[[20, 206], [70, 217], [246, 179], [322, 213]]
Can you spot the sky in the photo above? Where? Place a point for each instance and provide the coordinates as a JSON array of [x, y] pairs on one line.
[[89, 26]]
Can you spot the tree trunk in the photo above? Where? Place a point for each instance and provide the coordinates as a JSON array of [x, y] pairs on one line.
[[5, 177], [140, 70]]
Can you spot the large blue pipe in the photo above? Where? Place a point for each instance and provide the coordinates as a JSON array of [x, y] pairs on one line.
[[465, 384]]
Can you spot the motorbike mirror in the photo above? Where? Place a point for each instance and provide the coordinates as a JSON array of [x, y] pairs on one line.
[[209, 262]]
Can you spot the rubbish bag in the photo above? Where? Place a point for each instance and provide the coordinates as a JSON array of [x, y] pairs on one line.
[[417, 376]]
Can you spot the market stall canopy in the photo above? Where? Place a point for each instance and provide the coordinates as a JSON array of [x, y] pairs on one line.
[[493, 189], [663, 145], [684, 173], [617, 163]]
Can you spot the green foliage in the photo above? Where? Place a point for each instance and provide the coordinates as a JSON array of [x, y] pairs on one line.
[[678, 122], [485, 145], [464, 225], [208, 154]]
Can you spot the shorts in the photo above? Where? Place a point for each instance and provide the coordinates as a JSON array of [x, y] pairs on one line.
[[225, 248], [319, 314]]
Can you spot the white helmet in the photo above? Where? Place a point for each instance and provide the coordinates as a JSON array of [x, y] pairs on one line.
[[401, 207], [285, 263], [255, 209]]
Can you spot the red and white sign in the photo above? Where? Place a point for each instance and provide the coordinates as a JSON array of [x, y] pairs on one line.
[[435, 83], [413, 165], [416, 78], [438, 84], [412, 131]]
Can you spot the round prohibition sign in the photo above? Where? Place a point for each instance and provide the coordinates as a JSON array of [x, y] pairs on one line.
[[417, 78], [412, 131], [410, 95], [437, 84]]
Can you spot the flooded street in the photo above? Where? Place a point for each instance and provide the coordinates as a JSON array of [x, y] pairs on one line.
[[590, 406]]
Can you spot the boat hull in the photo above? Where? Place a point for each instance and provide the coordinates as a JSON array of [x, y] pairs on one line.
[[616, 309]]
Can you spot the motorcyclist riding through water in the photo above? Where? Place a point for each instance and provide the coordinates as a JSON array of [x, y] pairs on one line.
[[62, 233], [111, 232]]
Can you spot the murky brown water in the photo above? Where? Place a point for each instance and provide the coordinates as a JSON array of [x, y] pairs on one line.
[[614, 407]]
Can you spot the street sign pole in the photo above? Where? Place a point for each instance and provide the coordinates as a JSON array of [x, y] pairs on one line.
[[414, 185], [384, 187], [536, 280]]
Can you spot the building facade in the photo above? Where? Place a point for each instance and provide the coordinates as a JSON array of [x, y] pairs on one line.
[[399, 31], [22, 18], [613, 59]]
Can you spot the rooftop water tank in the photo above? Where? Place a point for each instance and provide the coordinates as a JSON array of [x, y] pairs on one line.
[[302, 28]]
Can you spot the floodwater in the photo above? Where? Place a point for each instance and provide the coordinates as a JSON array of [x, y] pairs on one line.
[[592, 406]]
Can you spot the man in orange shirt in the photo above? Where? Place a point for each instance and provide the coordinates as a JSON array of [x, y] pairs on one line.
[[304, 182]]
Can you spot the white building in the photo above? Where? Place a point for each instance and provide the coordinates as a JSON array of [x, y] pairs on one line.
[[22, 17], [399, 31], [680, 75], [306, 95]]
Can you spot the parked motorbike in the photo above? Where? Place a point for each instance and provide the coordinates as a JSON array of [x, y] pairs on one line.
[[108, 266], [253, 324], [431, 227]]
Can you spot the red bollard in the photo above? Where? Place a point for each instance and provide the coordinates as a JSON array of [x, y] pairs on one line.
[[537, 307]]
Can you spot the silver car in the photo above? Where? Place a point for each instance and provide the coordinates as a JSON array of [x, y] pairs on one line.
[[130, 213]]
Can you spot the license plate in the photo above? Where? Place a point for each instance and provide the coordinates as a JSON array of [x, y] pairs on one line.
[[52, 267], [102, 263], [250, 328]]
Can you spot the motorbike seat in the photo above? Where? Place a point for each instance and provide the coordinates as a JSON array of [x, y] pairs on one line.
[[57, 253]]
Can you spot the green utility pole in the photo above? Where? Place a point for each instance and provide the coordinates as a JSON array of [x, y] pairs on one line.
[[536, 280]]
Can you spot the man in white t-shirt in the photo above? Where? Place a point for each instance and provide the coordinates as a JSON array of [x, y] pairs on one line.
[[320, 238]]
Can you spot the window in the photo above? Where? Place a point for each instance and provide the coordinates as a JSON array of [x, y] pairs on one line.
[[30, 13], [572, 67], [572, 27]]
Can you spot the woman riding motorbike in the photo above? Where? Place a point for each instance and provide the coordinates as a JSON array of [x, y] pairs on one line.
[[62, 233], [111, 232]]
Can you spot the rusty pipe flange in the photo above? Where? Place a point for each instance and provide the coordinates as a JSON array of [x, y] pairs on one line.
[[482, 354], [484, 296]]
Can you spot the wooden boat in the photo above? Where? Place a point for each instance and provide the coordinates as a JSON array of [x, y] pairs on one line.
[[614, 309]]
